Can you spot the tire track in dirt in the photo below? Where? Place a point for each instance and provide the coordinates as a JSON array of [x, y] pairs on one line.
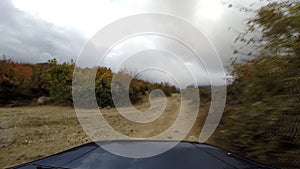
[[29, 133]]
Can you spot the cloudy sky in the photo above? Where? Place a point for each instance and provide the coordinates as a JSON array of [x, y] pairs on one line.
[[39, 30]]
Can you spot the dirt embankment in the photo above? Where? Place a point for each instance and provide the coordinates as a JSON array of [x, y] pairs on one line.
[[29, 133]]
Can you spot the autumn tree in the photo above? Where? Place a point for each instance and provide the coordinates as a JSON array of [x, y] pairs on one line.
[[14, 80], [262, 118]]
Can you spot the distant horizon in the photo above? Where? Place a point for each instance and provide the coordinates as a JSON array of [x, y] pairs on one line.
[[149, 80]]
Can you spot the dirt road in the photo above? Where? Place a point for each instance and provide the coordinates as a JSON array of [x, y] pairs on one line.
[[29, 133]]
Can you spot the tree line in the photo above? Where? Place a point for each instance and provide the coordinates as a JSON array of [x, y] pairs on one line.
[[23, 83]]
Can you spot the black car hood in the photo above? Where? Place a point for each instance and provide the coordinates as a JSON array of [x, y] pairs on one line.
[[185, 155]]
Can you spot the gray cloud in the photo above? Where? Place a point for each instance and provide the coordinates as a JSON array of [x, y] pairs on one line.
[[27, 38]]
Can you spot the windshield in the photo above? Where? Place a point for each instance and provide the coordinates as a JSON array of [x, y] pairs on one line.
[[224, 73]]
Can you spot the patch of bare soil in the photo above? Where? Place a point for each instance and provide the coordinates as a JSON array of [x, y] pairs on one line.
[[30, 133]]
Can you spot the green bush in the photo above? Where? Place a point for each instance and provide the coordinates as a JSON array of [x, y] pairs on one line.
[[57, 79], [262, 118]]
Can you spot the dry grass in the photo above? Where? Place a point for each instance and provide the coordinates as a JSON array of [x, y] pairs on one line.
[[29, 133]]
